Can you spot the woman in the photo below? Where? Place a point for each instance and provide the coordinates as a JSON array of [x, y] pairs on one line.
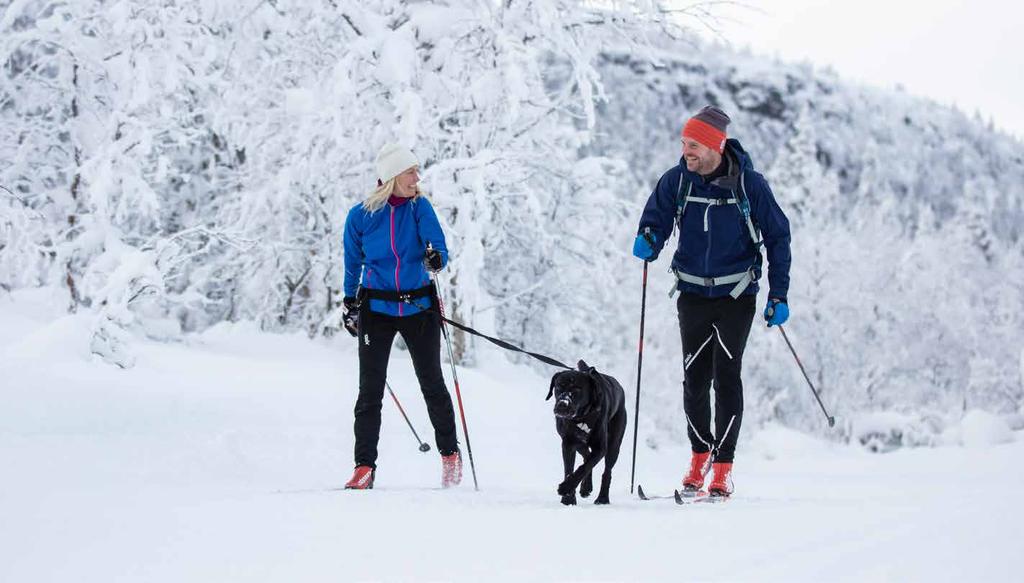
[[391, 240]]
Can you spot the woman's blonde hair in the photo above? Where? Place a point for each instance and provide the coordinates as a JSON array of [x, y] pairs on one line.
[[380, 195]]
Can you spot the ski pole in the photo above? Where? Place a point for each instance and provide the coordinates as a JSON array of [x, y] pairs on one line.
[[423, 446], [831, 419], [455, 376], [639, 368]]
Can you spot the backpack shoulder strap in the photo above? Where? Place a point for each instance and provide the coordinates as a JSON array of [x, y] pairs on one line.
[[744, 203], [682, 199]]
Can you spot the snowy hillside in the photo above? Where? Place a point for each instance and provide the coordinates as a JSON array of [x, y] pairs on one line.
[[219, 457]]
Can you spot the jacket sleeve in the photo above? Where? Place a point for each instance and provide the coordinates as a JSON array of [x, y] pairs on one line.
[[353, 245], [774, 230], [660, 210], [430, 228]]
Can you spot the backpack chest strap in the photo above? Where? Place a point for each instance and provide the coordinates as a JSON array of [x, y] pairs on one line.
[[710, 202], [739, 199], [714, 201]]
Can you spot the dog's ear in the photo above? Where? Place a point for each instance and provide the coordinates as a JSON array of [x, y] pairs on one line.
[[582, 366], [551, 389]]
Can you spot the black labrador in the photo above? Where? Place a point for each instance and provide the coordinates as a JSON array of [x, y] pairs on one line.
[[590, 416]]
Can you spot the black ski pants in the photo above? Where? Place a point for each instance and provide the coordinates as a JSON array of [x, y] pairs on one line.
[[422, 334], [714, 332]]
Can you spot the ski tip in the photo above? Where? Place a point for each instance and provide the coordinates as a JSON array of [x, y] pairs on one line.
[[677, 496], [640, 492]]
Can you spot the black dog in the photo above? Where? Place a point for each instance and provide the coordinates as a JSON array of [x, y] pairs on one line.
[[590, 416]]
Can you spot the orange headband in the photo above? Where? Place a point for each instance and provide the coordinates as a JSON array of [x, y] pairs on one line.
[[704, 133]]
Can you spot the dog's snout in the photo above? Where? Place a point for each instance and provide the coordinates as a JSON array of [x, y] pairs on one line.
[[563, 404]]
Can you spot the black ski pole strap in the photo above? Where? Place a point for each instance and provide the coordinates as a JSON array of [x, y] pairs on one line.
[[496, 341]]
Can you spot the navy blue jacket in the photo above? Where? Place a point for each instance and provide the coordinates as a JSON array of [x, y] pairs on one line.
[[384, 250], [726, 247]]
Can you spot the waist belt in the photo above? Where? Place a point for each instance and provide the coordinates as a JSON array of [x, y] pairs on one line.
[[395, 296], [742, 280]]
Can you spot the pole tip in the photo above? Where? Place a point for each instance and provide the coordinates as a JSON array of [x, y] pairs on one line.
[[831, 421]]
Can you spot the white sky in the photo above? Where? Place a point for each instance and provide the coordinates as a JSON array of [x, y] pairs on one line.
[[955, 52]]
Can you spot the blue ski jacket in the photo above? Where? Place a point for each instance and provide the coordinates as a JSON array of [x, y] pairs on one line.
[[384, 250], [714, 240]]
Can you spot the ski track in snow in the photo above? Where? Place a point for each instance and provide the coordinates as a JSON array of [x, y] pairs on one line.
[[221, 458]]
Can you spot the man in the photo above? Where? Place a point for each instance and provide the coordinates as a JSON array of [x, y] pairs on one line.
[[725, 212]]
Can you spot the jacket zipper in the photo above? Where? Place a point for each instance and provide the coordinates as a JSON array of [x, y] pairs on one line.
[[398, 260]]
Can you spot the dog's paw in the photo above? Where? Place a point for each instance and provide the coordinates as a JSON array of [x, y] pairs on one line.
[[586, 487], [602, 499], [565, 488], [569, 500]]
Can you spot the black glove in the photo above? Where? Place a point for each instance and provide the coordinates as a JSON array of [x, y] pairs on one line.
[[350, 315], [432, 260]]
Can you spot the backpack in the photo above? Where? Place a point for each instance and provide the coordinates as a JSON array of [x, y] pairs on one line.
[[740, 199]]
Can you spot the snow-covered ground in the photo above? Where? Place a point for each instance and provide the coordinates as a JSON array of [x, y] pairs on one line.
[[220, 459]]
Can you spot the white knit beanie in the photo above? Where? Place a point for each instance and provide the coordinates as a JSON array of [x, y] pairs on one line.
[[394, 159]]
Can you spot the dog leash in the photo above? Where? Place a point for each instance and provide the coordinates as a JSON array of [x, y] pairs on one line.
[[408, 299]]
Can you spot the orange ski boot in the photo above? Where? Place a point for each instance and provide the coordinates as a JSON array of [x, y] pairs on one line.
[[700, 462], [362, 479], [451, 469], [721, 482]]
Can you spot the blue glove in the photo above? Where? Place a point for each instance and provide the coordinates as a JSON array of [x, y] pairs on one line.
[[643, 248], [776, 312]]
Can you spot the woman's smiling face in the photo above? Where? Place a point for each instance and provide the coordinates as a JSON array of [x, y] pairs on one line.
[[405, 183]]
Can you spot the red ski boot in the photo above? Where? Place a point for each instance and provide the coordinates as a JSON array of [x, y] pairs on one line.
[[699, 465], [362, 479], [721, 483], [451, 470]]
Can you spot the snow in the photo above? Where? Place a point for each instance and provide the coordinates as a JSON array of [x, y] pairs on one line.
[[983, 429], [219, 458]]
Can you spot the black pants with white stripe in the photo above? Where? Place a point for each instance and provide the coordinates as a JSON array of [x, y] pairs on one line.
[[714, 332]]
